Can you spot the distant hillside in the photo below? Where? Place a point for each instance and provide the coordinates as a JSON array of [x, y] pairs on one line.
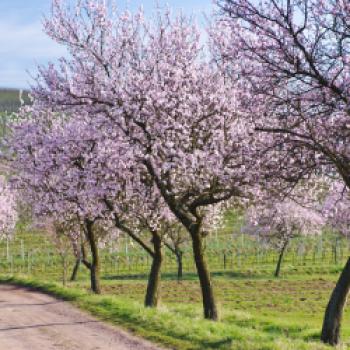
[[10, 100]]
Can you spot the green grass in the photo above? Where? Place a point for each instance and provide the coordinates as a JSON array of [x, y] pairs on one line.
[[32, 253], [256, 310], [256, 313]]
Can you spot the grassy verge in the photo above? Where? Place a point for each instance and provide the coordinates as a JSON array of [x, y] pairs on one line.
[[180, 325]]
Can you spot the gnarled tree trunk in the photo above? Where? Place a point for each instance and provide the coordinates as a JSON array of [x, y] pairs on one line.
[[75, 269], [64, 269], [334, 311], [95, 259], [280, 259], [81, 258], [209, 304], [179, 265], [178, 255], [152, 293]]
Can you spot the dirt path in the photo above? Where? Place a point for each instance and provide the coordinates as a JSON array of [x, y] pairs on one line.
[[34, 321]]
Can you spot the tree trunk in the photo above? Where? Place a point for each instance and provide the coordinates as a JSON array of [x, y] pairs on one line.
[[64, 270], [152, 293], [81, 258], [209, 304], [95, 278], [179, 265], [95, 261], [280, 258], [334, 311], [178, 255], [75, 270]]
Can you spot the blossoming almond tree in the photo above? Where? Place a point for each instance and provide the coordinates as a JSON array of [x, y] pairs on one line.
[[295, 57], [174, 240], [335, 207], [63, 235], [49, 157], [176, 110], [8, 210], [72, 169], [336, 212], [142, 215], [277, 222]]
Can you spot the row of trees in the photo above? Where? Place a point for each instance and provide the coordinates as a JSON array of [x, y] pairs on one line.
[[130, 158], [144, 129], [294, 56]]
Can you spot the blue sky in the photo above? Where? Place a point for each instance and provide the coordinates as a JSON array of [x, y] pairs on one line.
[[23, 45]]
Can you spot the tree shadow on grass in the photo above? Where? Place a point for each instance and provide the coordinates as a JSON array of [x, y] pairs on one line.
[[187, 276], [219, 344], [144, 276]]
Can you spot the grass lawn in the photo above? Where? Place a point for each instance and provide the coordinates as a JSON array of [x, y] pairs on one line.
[[257, 312]]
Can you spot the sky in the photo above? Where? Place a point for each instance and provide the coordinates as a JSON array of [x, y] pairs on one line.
[[23, 45]]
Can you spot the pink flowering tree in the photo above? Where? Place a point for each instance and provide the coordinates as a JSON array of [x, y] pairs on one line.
[[176, 237], [336, 208], [152, 83], [336, 211], [104, 233], [8, 210], [294, 55], [277, 222], [64, 235], [49, 157], [143, 216], [73, 171]]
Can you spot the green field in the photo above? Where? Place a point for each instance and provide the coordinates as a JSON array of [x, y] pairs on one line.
[[257, 311], [10, 101], [228, 251]]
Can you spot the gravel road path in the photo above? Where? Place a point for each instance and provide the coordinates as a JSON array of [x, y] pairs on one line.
[[30, 320]]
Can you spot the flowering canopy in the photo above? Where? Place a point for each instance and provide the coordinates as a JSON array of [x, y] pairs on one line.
[[8, 209], [278, 221], [155, 131], [295, 57], [153, 83], [336, 208]]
